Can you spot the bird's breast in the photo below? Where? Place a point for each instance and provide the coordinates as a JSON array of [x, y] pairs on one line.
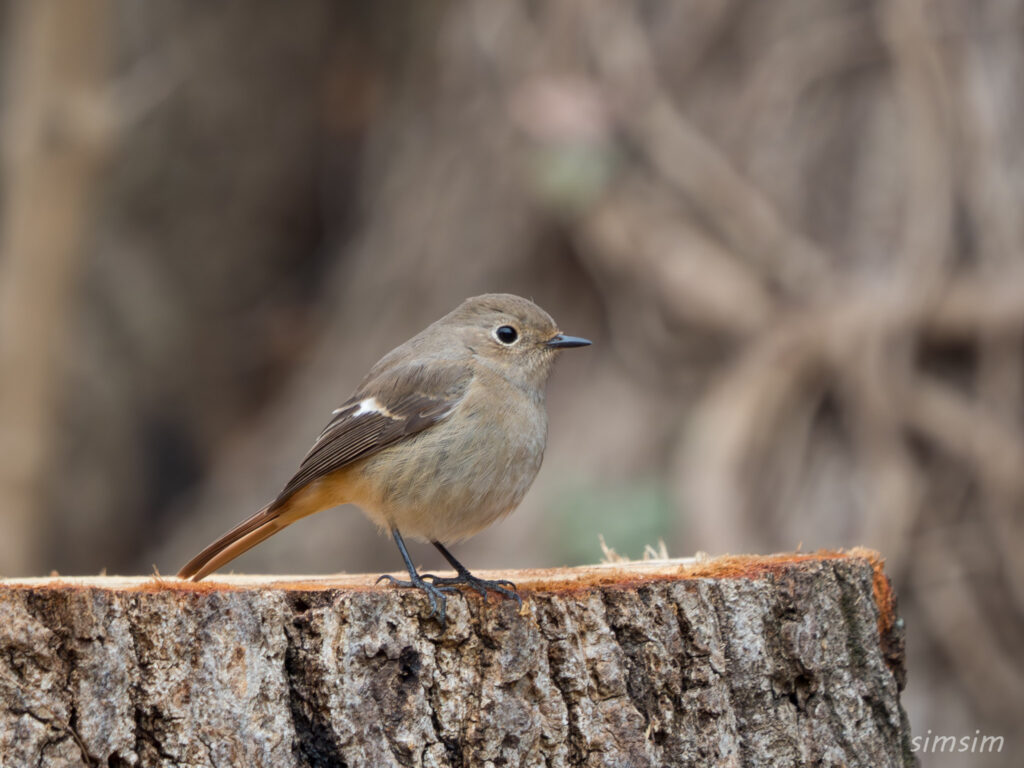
[[454, 479]]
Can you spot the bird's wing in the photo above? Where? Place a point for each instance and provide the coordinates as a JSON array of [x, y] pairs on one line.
[[400, 402]]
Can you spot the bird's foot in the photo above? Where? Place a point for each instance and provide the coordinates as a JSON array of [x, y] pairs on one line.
[[435, 593], [503, 587]]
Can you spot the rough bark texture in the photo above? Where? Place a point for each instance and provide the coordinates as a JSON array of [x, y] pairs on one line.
[[791, 660]]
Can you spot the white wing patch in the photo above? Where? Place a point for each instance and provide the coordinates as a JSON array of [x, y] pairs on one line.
[[365, 406], [368, 405]]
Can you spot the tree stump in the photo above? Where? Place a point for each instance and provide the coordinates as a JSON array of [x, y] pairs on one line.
[[783, 660]]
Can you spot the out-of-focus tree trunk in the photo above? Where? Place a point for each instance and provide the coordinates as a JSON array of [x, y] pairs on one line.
[[53, 136], [791, 660]]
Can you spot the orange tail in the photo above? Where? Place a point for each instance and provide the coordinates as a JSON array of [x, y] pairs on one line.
[[239, 539], [264, 524]]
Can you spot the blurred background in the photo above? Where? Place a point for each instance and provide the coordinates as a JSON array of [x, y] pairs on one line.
[[793, 230]]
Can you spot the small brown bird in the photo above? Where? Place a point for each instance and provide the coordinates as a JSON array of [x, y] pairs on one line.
[[443, 437]]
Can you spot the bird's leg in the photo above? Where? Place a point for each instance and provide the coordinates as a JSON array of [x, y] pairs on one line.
[[438, 601], [503, 587]]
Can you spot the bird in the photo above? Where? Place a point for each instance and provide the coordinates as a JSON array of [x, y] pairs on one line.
[[442, 438]]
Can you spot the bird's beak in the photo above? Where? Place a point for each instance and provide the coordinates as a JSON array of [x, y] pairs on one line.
[[561, 341]]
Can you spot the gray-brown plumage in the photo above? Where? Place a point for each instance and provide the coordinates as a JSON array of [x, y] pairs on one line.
[[443, 437]]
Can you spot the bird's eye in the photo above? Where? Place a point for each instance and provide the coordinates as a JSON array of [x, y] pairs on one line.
[[506, 334]]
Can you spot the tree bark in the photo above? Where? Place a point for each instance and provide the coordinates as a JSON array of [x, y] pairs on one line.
[[785, 660]]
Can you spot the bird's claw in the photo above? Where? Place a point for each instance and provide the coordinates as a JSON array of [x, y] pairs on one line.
[[435, 594], [503, 587]]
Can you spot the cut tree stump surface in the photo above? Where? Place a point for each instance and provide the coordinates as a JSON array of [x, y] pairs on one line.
[[783, 660]]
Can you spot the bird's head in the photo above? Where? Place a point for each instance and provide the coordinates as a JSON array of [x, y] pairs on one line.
[[511, 334]]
